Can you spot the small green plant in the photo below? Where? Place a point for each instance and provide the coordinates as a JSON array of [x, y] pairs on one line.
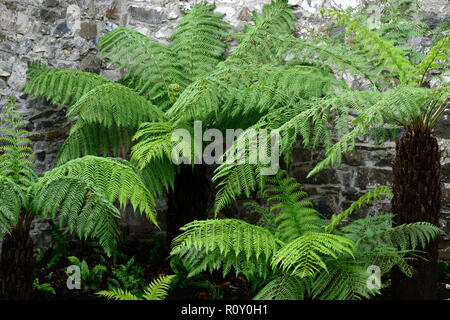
[[90, 278], [156, 290], [47, 287], [443, 270], [128, 276], [183, 280]]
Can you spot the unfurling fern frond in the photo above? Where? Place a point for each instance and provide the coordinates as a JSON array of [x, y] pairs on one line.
[[285, 287], [81, 206], [116, 179], [156, 290], [303, 256], [227, 244]]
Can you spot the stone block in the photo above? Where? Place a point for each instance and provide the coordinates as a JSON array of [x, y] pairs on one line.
[[88, 30], [146, 14]]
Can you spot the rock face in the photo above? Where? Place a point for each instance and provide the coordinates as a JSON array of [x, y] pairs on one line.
[[65, 34]]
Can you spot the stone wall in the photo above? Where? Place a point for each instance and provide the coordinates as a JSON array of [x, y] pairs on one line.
[[65, 34]]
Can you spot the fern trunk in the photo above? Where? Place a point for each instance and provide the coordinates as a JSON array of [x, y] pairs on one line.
[[416, 188], [17, 266], [189, 199]]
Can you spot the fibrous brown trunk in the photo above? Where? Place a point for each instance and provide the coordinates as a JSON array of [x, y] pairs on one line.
[[417, 191], [17, 266], [189, 199]]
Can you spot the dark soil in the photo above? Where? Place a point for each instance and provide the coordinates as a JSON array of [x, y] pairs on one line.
[[228, 288]]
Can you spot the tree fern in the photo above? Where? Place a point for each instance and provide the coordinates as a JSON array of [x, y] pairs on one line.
[[80, 193], [403, 105], [304, 259]]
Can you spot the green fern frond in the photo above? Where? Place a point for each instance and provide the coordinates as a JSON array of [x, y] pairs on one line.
[[117, 294], [16, 159], [343, 281], [367, 198], [12, 200], [392, 58], [311, 121], [285, 287], [303, 256], [408, 236], [293, 217], [331, 56], [152, 67], [94, 139], [65, 86], [114, 104], [437, 58], [156, 141], [261, 42], [81, 206], [237, 179], [403, 105], [116, 179], [198, 40], [226, 243], [158, 288]]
